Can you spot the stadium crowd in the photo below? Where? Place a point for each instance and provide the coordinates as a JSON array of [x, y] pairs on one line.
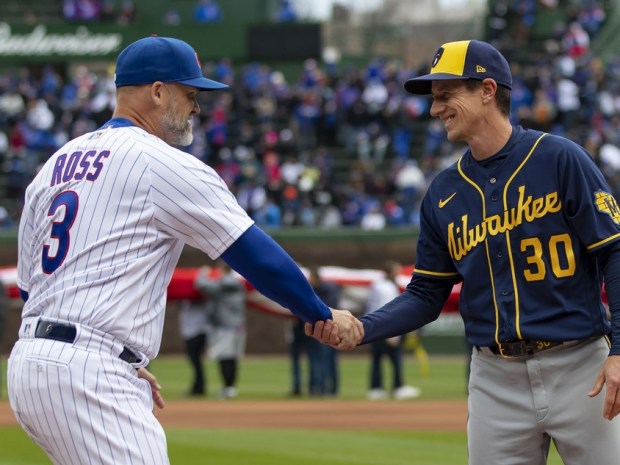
[[339, 146]]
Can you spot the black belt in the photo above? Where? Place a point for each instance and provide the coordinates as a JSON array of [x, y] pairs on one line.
[[522, 348], [65, 332]]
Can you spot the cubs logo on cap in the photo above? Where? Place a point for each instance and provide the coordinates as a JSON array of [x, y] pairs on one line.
[[466, 59]]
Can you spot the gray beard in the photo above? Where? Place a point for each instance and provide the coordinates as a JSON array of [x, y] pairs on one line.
[[178, 133]]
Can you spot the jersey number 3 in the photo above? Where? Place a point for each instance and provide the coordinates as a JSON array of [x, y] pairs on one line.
[[65, 207]]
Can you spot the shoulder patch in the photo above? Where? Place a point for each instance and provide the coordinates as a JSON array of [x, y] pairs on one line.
[[606, 203]]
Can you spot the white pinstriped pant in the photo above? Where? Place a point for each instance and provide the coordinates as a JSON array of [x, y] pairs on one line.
[[82, 404], [517, 406]]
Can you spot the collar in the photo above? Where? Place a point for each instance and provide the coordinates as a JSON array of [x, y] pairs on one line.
[[117, 123]]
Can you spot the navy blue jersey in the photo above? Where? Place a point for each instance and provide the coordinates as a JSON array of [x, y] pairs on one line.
[[522, 229]]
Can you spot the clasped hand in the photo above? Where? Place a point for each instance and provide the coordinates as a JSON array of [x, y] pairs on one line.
[[343, 331]]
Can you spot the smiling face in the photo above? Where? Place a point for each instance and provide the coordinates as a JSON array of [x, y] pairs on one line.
[[177, 114], [460, 108]]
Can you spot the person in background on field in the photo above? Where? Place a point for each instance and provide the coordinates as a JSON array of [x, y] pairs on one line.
[[300, 344], [382, 291], [329, 292], [194, 330], [227, 319]]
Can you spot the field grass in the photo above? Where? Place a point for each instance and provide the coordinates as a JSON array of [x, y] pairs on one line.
[[268, 378]]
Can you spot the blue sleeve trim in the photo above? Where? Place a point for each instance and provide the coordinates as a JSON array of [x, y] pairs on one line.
[[23, 295], [260, 260]]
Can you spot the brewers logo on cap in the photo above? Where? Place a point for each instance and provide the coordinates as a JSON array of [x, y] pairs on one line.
[[437, 57]]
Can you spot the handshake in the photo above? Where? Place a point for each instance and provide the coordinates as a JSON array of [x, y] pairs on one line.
[[343, 331]]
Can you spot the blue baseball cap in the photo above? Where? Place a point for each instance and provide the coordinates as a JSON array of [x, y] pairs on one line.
[[161, 59], [466, 59]]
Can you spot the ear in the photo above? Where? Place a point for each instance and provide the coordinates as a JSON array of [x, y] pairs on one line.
[[158, 92], [489, 88]]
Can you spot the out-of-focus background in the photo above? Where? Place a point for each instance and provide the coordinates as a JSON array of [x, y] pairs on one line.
[[321, 145], [316, 136]]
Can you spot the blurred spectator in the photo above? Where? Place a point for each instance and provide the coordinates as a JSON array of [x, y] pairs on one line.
[[269, 216], [543, 111], [6, 222], [568, 102], [171, 17], [127, 13], [576, 40], [4, 146], [348, 133], [373, 219], [331, 218], [591, 17], [108, 10], [81, 10], [11, 104], [286, 13], [251, 196], [411, 185], [207, 11]]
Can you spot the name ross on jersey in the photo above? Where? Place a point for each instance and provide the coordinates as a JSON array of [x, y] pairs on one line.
[[79, 165]]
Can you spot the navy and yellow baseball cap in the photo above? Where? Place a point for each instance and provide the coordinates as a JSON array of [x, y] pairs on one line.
[[161, 59], [466, 59]]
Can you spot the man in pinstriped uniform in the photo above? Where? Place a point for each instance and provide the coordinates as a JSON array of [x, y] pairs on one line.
[[103, 226]]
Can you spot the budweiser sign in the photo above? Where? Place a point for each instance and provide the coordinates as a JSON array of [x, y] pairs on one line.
[[40, 42]]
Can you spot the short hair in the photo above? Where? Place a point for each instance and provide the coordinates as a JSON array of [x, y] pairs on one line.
[[502, 95]]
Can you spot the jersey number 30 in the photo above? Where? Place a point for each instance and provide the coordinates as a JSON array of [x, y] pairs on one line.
[[559, 244], [55, 252]]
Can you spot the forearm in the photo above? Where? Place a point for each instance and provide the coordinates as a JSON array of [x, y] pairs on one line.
[[417, 306], [260, 260], [611, 271]]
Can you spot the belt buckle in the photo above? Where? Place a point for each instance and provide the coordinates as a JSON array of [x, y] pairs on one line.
[[517, 349], [129, 356]]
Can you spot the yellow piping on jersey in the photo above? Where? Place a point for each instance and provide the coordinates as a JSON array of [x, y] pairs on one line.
[[512, 265], [486, 243], [435, 273], [596, 244], [486, 246]]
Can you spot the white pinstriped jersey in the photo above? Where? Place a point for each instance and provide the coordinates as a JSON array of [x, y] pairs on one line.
[[106, 220]]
